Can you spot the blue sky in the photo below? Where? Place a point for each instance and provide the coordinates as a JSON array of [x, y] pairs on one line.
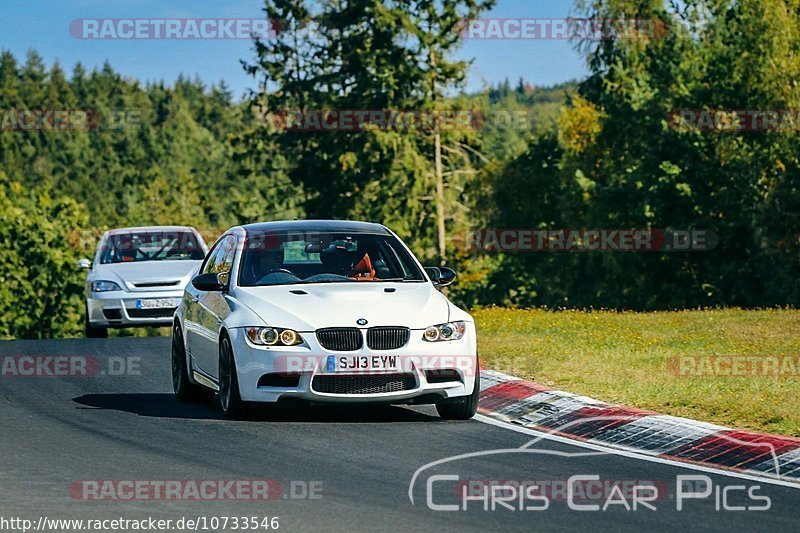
[[44, 26]]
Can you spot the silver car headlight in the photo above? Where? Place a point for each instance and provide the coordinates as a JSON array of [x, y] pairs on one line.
[[451, 331], [105, 286], [273, 336]]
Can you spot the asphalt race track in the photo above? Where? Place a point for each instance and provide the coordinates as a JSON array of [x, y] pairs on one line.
[[339, 469]]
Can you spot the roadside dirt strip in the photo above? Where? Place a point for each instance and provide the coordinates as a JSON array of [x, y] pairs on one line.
[[533, 406]]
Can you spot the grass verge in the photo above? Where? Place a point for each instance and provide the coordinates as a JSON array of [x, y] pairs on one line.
[[634, 359]]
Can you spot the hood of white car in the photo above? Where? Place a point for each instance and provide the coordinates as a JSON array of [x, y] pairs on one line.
[[128, 274], [414, 305]]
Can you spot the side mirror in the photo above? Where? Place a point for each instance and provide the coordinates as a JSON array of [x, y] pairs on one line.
[[441, 276], [84, 263], [209, 282]]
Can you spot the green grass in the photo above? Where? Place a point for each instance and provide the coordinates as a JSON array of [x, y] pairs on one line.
[[622, 357]]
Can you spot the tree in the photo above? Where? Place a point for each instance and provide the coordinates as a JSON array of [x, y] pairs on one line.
[[621, 163], [363, 55], [158, 154], [40, 286]]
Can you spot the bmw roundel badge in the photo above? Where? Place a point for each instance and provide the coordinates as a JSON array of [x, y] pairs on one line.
[[361, 321]]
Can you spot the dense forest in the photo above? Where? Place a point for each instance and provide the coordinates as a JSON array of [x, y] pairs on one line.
[[598, 153]]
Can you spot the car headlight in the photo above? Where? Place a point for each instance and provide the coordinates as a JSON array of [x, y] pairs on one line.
[[451, 331], [274, 336], [105, 286]]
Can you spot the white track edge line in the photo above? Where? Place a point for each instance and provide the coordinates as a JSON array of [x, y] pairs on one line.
[[633, 455]]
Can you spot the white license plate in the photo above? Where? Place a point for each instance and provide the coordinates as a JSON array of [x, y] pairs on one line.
[[362, 363], [155, 303]]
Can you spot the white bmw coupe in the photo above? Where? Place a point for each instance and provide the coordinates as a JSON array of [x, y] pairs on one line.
[[322, 311]]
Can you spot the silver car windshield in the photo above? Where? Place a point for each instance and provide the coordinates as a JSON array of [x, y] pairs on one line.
[[286, 258], [137, 246]]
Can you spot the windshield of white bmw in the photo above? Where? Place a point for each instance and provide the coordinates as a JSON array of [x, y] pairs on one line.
[[138, 246], [316, 257]]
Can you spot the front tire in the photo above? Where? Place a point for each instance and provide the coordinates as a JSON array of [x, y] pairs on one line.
[[229, 398], [185, 390], [465, 408]]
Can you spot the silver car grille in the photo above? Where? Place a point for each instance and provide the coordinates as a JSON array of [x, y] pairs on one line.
[[340, 339], [153, 284], [387, 338]]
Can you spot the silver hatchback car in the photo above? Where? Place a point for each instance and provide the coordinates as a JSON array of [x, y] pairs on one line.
[[138, 276]]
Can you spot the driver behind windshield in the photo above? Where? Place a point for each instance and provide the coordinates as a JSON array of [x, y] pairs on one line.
[[276, 259], [260, 264], [150, 246]]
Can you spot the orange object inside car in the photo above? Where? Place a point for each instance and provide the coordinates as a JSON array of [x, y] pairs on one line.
[[363, 270]]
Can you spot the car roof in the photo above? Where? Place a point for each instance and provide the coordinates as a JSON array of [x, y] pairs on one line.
[[346, 226], [150, 228]]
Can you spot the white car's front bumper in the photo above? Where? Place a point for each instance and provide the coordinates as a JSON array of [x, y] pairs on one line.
[[433, 370], [121, 308]]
